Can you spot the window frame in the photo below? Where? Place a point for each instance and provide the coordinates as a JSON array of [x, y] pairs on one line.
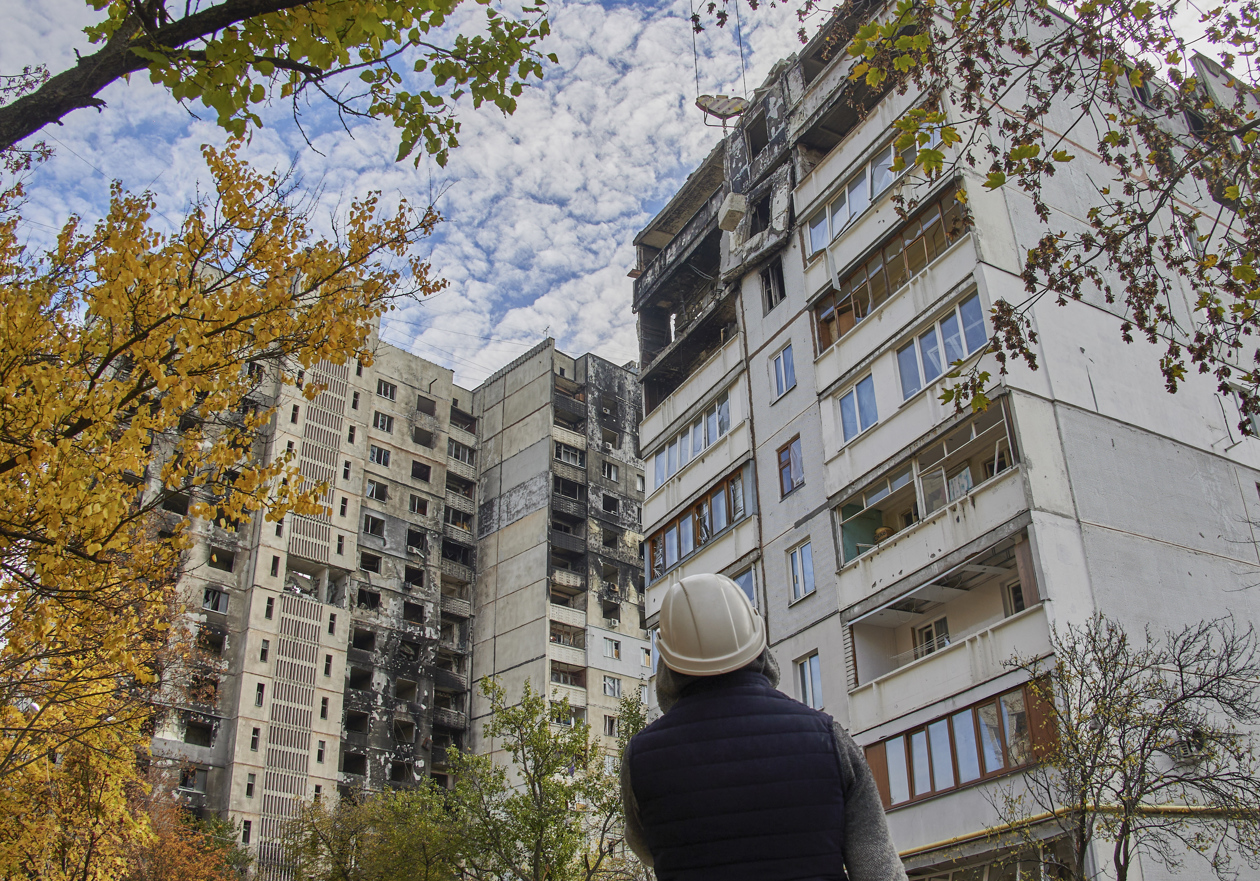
[[378, 455], [801, 570], [790, 470], [383, 422], [665, 546], [569, 455], [713, 424], [809, 680], [854, 394], [377, 490], [773, 287], [783, 371], [386, 390], [373, 525], [612, 686], [937, 330]]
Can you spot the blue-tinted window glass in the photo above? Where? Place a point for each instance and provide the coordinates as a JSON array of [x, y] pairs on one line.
[[953, 338], [930, 351], [973, 323], [866, 403], [848, 416], [908, 365]]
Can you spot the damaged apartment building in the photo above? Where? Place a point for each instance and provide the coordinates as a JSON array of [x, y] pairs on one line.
[[335, 650], [795, 331], [559, 601]]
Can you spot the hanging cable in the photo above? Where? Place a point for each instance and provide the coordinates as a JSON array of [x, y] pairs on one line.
[[695, 51], [740, 37]]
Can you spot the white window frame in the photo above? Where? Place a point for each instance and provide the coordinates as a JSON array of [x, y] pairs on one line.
[[378, 455], [612, 648], [372, 523], [612, 686], [783, 371], [801, 570], [858, 410], [373, 486], [383, 421], [914, 348], [710, 427], [569, 455], [610, 471], [414, 503], [809, 680], [386, 390]]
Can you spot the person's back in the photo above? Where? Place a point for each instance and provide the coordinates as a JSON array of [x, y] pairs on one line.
[[737, 780]]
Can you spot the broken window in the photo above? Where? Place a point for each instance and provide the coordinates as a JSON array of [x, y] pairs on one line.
[[756, 134], [198, 732], [428, 406], [421, 471], [222, 559], [759, 216], [357, 722], [363, 639], [459, 519], [369, 563], [354, 763], [417, 505], [569, 489], [413, 612], [377, 490], [405, 690], [361, 678], [378, 455], [369, 599], [374, 526], [772, 289], [413, 576], [214, 600]]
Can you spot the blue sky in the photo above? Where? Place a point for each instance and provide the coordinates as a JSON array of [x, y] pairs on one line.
[[540, 207]]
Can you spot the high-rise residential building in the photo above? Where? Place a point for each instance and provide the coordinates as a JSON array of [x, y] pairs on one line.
[[335, 647], [559, 599], [335, 651], [795, 331]]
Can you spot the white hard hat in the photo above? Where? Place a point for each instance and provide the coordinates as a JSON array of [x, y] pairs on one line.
[[708, 626]]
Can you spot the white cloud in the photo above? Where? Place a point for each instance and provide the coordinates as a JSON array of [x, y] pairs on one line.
[[540, 207]]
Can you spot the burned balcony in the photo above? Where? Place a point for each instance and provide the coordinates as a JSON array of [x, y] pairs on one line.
[[569, 404], [704, 331]]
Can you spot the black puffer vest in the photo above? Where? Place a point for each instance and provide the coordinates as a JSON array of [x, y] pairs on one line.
[[739, 781]]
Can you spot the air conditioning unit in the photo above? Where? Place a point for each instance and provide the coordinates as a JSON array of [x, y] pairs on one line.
[[412, 549], [607, 447]]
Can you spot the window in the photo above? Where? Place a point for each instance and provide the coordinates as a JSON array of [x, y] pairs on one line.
[[772, 284], [610, 471], [801, 565], [327, 665], [264, 650], [962, 748], [293, 414], [1013, 601], [565, 676], [341, 544], [857, 409], [421, 471], [695, 439], [930, 638], [569, 489], [193, 778], [458, 519], [791, 468], [945, 471], [376, 489], [417, 505], [383, 421], [610, 727], [461, 453], [332, 624], [270, 609], [417, 541], [350, 435], [323, 708], [368, 599], [319, 752], [745, 582], [645, 658], [899, 259], [386, 390], [374, 526], [222, 559], [370, 563], [929, 355], [612, 686], [249, 785], [275, 565], [378, 455], [354, 401], [612, 648], [260, 692], [345, 475], [214, 600], [254, 736], [344, 502], [569, 455], [358, 368], [638, 482], [809, 677], [695, 527], [609, 504], [247, 827], [784, 372]]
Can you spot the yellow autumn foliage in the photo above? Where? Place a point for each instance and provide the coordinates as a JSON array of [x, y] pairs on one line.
[[125, 378]]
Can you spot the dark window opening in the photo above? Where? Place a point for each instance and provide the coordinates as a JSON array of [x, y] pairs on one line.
[[399, 772], [369, 599], [569, 489], [354, 763], [757, 135], [364, 639], [457, 553], [176, 503], [211, 641], [369, 563], [413, 612], [222, 559], [405, 690], [609, 504], [772, 284], [423, 438], [198, 733], [428, 406], [417, 542], [404, 731], [357, 722], [360, 679], [421, 471], [413, 576]]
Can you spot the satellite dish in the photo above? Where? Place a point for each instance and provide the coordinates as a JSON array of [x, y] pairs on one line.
[[722, 107]]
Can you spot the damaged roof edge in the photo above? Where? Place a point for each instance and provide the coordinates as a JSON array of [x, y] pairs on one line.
[[690, 198]]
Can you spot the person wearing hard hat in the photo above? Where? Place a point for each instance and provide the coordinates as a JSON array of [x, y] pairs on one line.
[[737, 780]]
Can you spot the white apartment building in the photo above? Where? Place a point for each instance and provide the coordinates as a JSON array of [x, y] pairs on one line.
[[794, 332]]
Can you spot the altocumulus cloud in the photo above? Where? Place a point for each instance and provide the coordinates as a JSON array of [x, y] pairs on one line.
[[540, 207]]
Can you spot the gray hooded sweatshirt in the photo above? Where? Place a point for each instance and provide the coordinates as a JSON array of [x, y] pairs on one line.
[[869, 854]]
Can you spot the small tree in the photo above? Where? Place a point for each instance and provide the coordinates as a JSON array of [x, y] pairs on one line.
[[554, 813], [1151, 750]]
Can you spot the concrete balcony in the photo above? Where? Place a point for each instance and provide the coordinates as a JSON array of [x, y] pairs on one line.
[[452, 531], [462, 436], [424, 421], [566, 654], [576, 696], [570, 409], [460, 502], [993, 503], [457, 572], [568, 541], [568, 472], [449, 718], [968, 661], [572, 438], [698, 230], [736, 542], [566, 505], [720, 369], [567, 578], [718, 460], [450, 680], [566, 615], [463, 469], [456, 607]]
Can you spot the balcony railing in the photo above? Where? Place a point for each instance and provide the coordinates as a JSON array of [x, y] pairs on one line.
[[456, 607], [567, 654], [463, 469], [462, 436], [566, 505], [457, 532], [567, 578], [567, 615], [457, 571], [460, 502], [449, 680], [454, 643], [569, 408], [569, 472], [449, 718], [568, 541]]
